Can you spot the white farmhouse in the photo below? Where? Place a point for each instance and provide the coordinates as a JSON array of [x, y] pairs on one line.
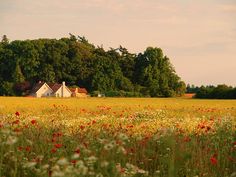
[[60, 90], [42, 89]]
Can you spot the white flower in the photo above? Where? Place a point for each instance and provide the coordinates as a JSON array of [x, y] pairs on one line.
[[63, 161], [82, 168], [104, 164], [158, 171], [11, 140], [142, 171], [46, 166], [6, 131], [110, 145], [75, 156], [55, 168], [29, 164], [30, 142], [122, 150], [123, 137], [91, 160], [233, 174], [99, 175], [57, 174]]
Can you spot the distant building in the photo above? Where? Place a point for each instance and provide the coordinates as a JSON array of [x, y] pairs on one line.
[[79, 92], [42, 89], [60, 90], [101, 95]]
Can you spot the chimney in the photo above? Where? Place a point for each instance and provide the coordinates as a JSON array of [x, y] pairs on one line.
[[63, 88]]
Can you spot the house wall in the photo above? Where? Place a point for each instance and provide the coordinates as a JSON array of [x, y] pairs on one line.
[[83, 95], [62, 93], [44, 91], [66, 92]]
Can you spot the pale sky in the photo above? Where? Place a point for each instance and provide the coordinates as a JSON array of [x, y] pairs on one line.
[[199, 36]]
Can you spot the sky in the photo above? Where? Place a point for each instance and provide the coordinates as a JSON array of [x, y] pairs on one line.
[[199, 36]]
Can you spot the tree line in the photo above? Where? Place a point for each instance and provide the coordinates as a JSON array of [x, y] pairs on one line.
[[115, 72], [213, 92]]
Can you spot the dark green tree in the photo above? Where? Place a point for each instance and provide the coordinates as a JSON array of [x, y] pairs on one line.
[[78, 62]]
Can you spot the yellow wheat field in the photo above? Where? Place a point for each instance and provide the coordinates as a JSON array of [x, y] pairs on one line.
[[140, 115]]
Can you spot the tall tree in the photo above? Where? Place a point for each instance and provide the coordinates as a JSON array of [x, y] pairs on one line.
[[5, 40], [79, 62], [17, 75]]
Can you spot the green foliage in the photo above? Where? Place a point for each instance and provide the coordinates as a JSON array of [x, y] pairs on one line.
[[17, 75], [7, 88], [80, 63], [218, 92], [156, 74]]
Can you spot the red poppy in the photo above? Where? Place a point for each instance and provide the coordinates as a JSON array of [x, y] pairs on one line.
[[234, 143], [50, 173], [17, 113], [85, 145], [77, 151], [20, 148], [33, 121], [187, 139], [17, 130], [82, 127], [16, 122], [57, 145], [231, 159], [130, 126], [73, 162], [53, 150], [208, 128], [27, 148], [54, 139], [122, 170], [213, 160], [57, 134]]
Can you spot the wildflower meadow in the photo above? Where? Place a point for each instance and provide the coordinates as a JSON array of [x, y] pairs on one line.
[[117, 137]]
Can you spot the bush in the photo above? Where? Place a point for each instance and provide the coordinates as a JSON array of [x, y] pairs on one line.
[[6, 88]]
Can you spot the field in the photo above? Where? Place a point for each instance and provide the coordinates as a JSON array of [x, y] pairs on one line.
[[115, 137]]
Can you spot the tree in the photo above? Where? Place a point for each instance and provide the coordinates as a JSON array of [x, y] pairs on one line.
[[155, 72], [5, 40], [17, 75], [80, 63], [6, 89]]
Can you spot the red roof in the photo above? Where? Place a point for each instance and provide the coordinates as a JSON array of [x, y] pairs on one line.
[[37, 87], [72, 89], [78, 90], [82, 90], [54, 87]]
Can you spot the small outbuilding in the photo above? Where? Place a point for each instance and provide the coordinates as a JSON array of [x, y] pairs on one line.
[[79, 92]]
